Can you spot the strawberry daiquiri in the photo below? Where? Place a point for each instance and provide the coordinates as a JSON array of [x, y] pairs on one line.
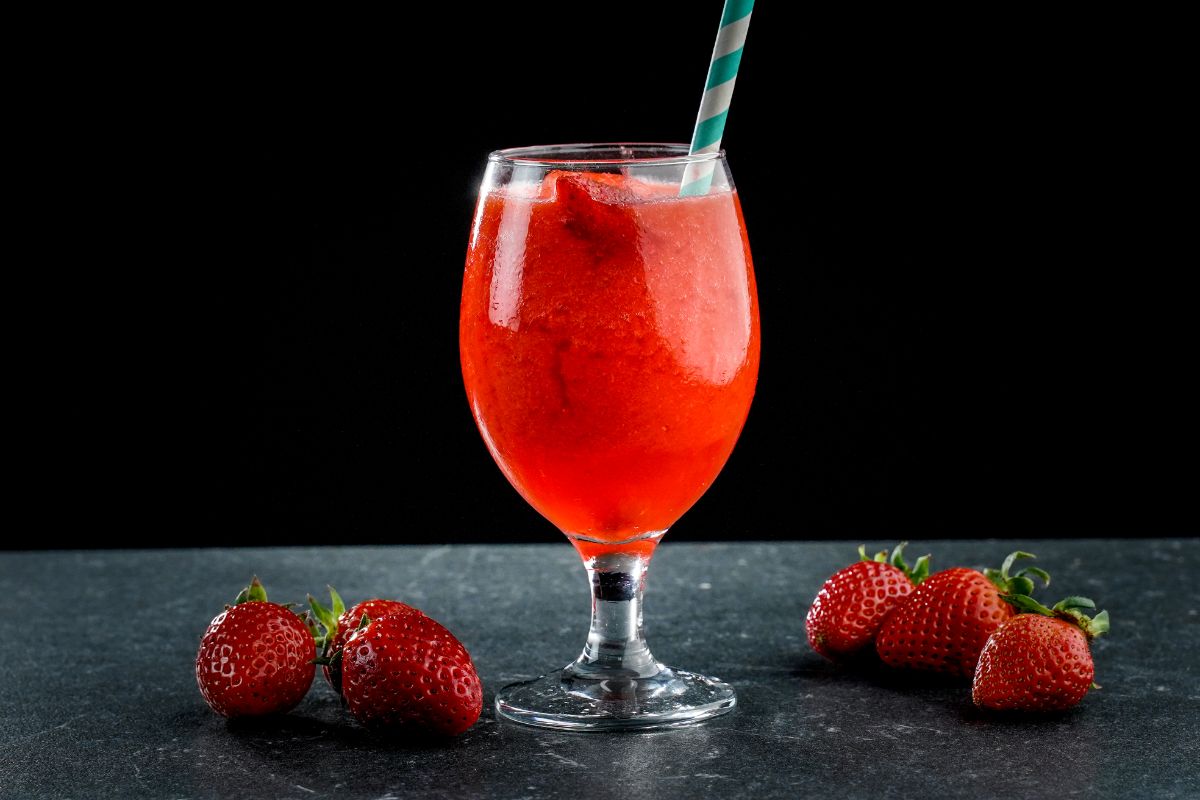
[[609, 341]]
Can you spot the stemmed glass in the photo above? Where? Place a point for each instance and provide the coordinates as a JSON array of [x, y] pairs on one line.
[[609, 340]]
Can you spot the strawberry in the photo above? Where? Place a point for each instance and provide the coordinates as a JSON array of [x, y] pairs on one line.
[[947, 619], [407, 672], [596, 208], [1039, 661], [256, 657], [853, 602], [339, 623]]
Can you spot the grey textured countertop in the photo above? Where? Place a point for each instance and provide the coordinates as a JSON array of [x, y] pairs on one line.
[[99, 698]]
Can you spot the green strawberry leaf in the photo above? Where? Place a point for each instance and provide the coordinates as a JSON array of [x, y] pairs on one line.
[[254, 593], [1066, 609], [1074, 602]]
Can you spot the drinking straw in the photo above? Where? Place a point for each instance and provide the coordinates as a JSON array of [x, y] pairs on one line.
[[718, 91]]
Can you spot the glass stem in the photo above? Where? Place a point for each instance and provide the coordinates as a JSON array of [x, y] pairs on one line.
[[616, 646]]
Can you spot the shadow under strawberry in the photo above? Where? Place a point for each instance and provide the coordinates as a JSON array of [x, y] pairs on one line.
[[325, 720], [315, 747], [972, 714], [866, 668]]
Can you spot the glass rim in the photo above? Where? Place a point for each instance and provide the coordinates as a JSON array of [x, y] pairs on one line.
[[557, 155]]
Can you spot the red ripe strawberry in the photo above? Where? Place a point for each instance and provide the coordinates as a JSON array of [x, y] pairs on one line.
[[1039, 661], [406, 671], [846, 614], [339, 623], [255, 658], [947, 619]]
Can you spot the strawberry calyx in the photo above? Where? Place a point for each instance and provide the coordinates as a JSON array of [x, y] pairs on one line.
[[254, 593], [325, 628], [918, 572], [257, 593], [1066, 609], [1017, 583]]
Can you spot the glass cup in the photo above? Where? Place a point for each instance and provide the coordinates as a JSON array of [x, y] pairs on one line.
[[609, 340]]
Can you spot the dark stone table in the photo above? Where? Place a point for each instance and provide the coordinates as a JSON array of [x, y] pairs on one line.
[[99, 698]]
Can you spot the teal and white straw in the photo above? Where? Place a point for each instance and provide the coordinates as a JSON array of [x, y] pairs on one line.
[[718, 92]]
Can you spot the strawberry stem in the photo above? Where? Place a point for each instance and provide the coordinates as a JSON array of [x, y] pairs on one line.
[[1065, 609]]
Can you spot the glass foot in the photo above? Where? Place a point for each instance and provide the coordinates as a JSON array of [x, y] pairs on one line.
[[581, 699]]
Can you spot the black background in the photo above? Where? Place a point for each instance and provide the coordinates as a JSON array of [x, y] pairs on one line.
[[972, 323]]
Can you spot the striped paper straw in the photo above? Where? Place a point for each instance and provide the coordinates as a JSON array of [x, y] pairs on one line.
[[718, 91]]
